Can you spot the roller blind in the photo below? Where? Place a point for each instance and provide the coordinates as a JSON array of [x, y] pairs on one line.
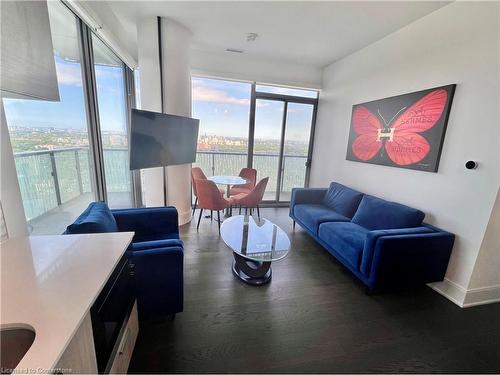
[[27, 59]]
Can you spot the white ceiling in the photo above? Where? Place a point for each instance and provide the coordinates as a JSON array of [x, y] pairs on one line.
[[314, 33]]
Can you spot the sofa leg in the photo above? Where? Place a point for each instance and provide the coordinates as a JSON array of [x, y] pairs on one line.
[[218, 220], [199, 218], [294, 225], [369, 292], [172, 317]]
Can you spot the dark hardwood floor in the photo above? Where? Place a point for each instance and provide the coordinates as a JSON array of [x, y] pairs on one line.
[[314, 316]]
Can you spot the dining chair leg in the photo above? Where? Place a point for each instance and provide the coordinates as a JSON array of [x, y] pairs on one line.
[[246, 210], [240, 211], [211, 215], [199, 218], [258, 212], [195, 203], [218, 220]]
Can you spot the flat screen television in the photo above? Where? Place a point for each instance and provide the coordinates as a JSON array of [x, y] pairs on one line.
[[159, 139]]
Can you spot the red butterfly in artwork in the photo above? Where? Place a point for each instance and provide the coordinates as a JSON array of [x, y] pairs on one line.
[[400, 137]]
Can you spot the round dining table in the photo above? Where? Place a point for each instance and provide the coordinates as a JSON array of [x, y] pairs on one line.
[[228, 181]]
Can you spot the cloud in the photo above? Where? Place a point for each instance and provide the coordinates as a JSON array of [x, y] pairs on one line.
[[69, 74], [203, 93]]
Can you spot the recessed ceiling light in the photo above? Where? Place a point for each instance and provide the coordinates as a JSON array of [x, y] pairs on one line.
[[234, 50], [251, 37]]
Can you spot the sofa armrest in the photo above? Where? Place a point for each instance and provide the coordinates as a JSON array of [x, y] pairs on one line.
[[373, 236], [408, 258], [147, 223], [307, 195], [158, 277]]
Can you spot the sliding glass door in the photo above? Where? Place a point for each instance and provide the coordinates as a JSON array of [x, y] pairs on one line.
[[282, 139], [296, 145], [267, 143], [113, 124]]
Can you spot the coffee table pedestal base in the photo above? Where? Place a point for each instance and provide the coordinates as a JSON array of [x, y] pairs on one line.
[[250, 271]]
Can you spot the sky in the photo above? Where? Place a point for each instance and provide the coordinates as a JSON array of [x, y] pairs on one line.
[[223, 108], [69, 112]]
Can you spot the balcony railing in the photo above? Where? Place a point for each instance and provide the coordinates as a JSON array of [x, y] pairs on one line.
[[267, 164], [49, 179]]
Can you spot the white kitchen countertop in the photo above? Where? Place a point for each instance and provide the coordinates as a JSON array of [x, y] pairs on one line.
[[50, 283]]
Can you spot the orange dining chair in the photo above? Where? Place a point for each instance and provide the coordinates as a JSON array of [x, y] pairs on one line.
[[252, 199], [197, 174], [248, 174], [210, 198]]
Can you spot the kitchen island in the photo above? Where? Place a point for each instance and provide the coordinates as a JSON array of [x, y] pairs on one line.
[[48, 285]]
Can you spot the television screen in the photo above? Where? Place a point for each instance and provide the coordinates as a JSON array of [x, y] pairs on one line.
[[159, 139]]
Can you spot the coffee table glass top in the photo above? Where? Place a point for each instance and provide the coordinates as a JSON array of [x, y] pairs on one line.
[[258, 240], [228, 180]]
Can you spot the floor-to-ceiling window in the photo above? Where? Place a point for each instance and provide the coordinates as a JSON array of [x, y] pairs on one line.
[[111, 100], [74, 151], [276, 140], [223, 108], [50, 140]]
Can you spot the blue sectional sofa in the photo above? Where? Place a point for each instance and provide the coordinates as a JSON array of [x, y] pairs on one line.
[[385, 244], [155, 254]]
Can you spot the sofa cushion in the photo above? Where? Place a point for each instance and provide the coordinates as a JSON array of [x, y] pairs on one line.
[[312, 215], [346, 238], [342, 199], [375, 213], [97, 218], [156, 237], [146, 245]]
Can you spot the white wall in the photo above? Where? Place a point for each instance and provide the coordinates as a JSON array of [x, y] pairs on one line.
[[176, 40], [242, 67], [149, 69], [10, 194], [485, 280], [458, 43], [177, 100], [99, 16]]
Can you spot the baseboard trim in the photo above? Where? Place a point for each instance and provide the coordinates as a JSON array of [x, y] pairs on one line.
[[451, 290], [482, 296], [466, 297]]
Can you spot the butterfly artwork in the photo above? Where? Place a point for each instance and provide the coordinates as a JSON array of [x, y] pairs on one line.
[[405, 131]]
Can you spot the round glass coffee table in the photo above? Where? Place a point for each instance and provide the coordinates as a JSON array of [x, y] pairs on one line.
[[255, 245]]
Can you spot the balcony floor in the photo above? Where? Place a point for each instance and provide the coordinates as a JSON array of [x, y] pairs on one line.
[[56, 220]]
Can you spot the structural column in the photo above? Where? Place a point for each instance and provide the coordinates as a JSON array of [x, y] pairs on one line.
[[165, 85]]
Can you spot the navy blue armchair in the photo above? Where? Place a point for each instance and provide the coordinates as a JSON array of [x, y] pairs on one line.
[[155, 254], [385, 244]]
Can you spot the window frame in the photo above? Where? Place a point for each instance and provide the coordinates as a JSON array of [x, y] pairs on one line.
[[286, 99]]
